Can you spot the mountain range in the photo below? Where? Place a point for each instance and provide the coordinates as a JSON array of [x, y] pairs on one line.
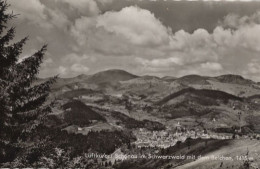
[[124, 81], [165, 100], [115, 102]]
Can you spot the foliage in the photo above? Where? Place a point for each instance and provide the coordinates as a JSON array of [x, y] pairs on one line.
[[57, 149], [76, 112], [202, 93], [22, 102], [131, 123]]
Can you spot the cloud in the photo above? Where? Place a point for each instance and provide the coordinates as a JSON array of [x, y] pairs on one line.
[[236, 21], [137, 33], [48, 14], [30, 10], [211, 66], [243, 33], [57, 19], [138, 26], [70, 65], [71, 71], [121, 33], [253, 69], [219, 52], [84, 7], [135, 39], [78, 68], [76, 64], [36, 13], [104, 2], [75, 58], [47, 62], [62, 70], [160, 62]]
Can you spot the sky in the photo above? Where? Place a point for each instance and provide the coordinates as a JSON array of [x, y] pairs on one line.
[[144, 37]]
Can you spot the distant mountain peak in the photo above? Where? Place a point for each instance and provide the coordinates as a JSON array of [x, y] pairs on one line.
[[168, 78], [113, 71], [231, 76], [149, 77], [193, 79], [236, 79], [111, 75], [202, 93]]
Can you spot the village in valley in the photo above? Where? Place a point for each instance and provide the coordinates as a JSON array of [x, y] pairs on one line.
[[167, 138]]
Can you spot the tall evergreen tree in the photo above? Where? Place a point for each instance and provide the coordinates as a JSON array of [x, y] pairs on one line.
[[22, 100]]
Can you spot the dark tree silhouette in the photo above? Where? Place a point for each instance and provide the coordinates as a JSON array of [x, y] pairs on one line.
[[22, 100], [188, 142], [206, 142], [178, 144]]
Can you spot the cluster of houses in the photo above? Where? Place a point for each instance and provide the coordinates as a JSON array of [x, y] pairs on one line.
[[160, 139], [167, 138]]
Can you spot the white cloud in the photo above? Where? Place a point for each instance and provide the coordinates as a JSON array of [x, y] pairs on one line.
[[160, 62], [235, 21], [74, 64], [254, 67], [135, 35], [75, 58], [121, 33], [30, 10], [82, 29], [47, 62], [253, 70], [37, 13], [78, 68], [73, 70], [211, 66], [62, 70], [57, 19], [137, 25]]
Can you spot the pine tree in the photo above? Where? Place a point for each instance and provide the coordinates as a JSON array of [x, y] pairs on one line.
[[22, 100]]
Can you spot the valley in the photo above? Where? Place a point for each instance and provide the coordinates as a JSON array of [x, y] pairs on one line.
[[158, 113]]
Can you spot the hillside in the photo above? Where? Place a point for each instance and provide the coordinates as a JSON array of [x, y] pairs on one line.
[[78, 113], [168, 98], [168, 78], [204, 93], [205, 108], [193, 79], [141, 83], [156, 111], [226, 153], [234, 79], [237, 150], [79, 92], [110, 76], [117, 81]]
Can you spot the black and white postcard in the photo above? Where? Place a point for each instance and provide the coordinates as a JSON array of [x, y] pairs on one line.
[[130, 84]]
